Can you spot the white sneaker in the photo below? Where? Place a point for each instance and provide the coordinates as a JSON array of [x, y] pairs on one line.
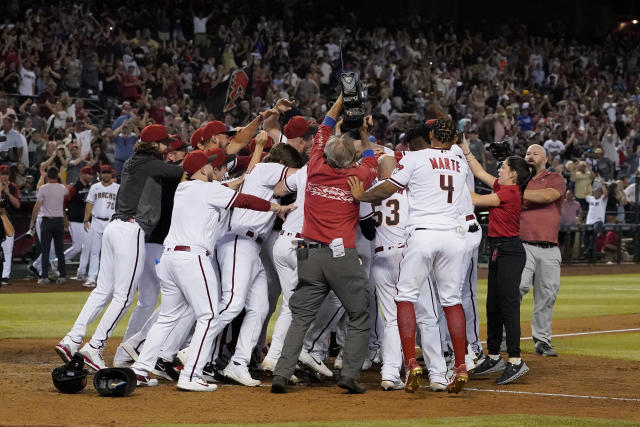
[[128, 348], [89, 284], [337, 364], [435, 386], [196, 384], [469, 359], [182, 356], [240, 374], [369, 359], [309, 360], [145, 381], [92, 357], [390, 385], [268, 364], [294, 379], [66, 348], [122, 364], [378, 357]]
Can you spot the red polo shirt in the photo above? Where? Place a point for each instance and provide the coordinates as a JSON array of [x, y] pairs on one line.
[[330, 211], [504, 220], [541, 222]]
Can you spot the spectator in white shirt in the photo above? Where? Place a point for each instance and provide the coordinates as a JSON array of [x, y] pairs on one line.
[[27, 80], [553, 145]]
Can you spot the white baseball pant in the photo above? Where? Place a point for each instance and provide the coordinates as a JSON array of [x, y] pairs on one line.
[[7, 249], [428, 311], [148, 291], [95, 243], [78, 240], [244, 285], [187, 282], [122, 263]]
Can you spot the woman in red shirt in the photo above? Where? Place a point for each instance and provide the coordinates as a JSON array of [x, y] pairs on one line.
[[507, 261]]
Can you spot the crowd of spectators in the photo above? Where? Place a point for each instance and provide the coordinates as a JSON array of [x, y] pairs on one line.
[[78, 81]]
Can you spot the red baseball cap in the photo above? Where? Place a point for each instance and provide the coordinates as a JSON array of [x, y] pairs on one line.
[[214, 128], [267, 146], [196, 159], [430, 122], [106, 169], [296, 127], [5, 169], [155, 133], [87, 170], [176, 145], [196, 137]]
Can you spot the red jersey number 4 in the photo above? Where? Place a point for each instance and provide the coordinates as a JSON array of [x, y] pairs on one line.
[[448, 187]]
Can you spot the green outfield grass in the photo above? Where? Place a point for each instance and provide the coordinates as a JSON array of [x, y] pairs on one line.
[[491, 421], [51, 315]]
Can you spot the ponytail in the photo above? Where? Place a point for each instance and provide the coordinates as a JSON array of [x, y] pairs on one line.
[[524, 171]]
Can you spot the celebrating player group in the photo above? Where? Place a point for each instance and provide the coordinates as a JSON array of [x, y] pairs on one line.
[[222, 227]]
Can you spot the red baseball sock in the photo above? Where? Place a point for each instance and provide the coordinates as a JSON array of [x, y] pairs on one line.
[[407, 328], [458, 331]]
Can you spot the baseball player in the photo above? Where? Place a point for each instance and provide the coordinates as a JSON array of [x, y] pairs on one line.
[[244, 284], [76, 204], [435, 179], [186, 275], [136, 214], [100, 206]]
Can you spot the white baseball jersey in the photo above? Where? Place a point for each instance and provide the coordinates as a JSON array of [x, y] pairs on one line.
[[103, 199], [209, 199], [296, 182], [259, 182], [467, 205], [391, 216], [435, 180]]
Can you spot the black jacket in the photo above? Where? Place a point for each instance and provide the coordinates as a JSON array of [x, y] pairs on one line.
[[140, 190]]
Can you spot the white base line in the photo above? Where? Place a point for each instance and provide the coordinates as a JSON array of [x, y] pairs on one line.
[[575, 334], [576, 396]]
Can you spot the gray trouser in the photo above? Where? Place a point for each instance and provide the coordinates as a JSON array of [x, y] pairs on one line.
[[319, 273], [542, 270]]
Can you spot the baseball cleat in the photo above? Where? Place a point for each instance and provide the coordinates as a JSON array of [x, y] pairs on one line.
[[122, 364], [337, 364], [391, 385], [413, 378], [145, 381], [240, 374], [182, 356], [89, 284], [130, 350], [512, 372], [435, 386], [489, 366], [165, 370], [310, 361], [66, 348], [544, 349], [196, 384], [34, 271], [369, 359], [268, 364], [92, 358], [459, 380]]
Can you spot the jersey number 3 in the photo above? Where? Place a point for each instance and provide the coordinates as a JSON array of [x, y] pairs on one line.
[[393, 218], [448, 187]]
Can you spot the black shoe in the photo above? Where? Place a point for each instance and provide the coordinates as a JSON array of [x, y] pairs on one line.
[[489, 366], [4, 281], [166, 370], [33, 271], [212, 373], [545, 349], [512, 372], [351, 385], [279, 384]]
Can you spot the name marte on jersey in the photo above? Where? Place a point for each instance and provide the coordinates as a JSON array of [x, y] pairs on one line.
[[446, 163]]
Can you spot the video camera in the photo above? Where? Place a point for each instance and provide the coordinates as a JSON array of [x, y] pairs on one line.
[[500, 150]]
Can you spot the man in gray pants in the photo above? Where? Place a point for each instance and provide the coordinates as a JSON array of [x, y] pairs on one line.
[[539, 225], [327, 257]]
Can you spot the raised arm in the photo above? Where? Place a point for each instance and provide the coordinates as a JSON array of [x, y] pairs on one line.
[[476, 168], [376, 194]]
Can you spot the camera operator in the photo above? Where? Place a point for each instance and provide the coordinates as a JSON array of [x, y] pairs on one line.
[[507, 261], [9, 147], [327, 257], [9, 202]]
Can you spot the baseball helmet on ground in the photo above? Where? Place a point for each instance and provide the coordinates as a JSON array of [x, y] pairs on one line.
[[70, 378], [115, 382]]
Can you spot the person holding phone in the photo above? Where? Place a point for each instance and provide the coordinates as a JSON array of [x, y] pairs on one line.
[[507, 261]]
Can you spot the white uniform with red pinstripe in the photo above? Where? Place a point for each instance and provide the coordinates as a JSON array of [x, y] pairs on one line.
[[186, 275], [244, 281]]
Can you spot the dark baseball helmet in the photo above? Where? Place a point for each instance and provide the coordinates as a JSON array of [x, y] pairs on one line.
[[115, 382], [70, 378]]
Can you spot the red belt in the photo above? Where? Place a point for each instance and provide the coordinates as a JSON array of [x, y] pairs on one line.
[[290, 233], [470, 217], [182, 248], [255, 237], [106, 219], [387, 248]]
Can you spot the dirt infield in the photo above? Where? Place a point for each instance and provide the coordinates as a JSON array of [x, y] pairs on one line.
[[28, 396]]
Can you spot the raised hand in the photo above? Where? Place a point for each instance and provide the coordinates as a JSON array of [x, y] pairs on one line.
[[356, 186]]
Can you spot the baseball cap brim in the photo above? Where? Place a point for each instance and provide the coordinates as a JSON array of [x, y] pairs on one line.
[[164, 141]]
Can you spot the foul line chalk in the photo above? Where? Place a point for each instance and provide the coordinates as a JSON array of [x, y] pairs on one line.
[[575, 396], [576, 334]]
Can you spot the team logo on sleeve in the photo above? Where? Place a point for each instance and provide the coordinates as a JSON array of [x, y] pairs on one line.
[[397, 169]]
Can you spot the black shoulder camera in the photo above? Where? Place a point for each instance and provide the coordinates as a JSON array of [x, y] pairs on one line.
[[3, 203], [500, 150], [352, 100]]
